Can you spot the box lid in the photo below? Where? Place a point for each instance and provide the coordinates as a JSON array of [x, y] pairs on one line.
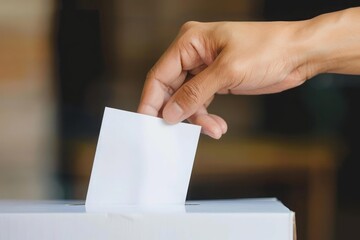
[[216, 219]]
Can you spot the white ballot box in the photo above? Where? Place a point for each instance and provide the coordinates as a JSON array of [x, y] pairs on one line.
[[247, 219]]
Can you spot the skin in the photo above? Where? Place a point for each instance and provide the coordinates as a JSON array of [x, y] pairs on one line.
[[246, 58]]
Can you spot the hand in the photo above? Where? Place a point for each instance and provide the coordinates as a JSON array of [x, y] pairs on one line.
[[230, 58], [209, 58]]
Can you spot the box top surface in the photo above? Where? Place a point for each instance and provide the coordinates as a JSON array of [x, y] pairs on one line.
[[245, 206]]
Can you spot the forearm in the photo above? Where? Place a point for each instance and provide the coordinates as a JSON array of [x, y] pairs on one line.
[[332, 42]]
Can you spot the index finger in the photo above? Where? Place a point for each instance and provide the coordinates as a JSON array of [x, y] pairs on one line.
[[166, 76]]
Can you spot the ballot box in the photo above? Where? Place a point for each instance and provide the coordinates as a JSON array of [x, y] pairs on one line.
[[255, 219]]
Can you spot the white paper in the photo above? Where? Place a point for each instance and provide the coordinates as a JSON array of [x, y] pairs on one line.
[[141, 160]]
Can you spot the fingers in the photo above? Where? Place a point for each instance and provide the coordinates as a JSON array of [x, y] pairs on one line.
[[189, 52], [192, 95], [156, 93], [198, 69], [161, 82], [212, 125]]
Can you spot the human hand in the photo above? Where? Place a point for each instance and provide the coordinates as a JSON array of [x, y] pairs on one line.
[[228, 58]]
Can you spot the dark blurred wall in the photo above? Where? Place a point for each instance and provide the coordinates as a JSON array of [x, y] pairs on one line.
[[82, 88], [103, 50]]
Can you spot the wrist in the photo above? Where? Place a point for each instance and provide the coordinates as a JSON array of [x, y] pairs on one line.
[[331, 42]]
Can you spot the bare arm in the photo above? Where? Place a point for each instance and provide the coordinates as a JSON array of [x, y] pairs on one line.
[[246, 58]]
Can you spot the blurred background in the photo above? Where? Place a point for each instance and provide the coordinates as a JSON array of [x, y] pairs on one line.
[[63, 61]]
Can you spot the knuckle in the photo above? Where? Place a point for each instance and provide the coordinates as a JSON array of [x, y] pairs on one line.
[[188, 26], [151, 74], [234, 69], [232, 72], [190, 95]]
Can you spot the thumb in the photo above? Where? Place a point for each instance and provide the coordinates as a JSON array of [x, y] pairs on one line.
[[191, 95]]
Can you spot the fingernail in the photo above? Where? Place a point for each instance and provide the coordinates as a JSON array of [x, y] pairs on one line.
[[216, 133], [213, 133], [173, 113]]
